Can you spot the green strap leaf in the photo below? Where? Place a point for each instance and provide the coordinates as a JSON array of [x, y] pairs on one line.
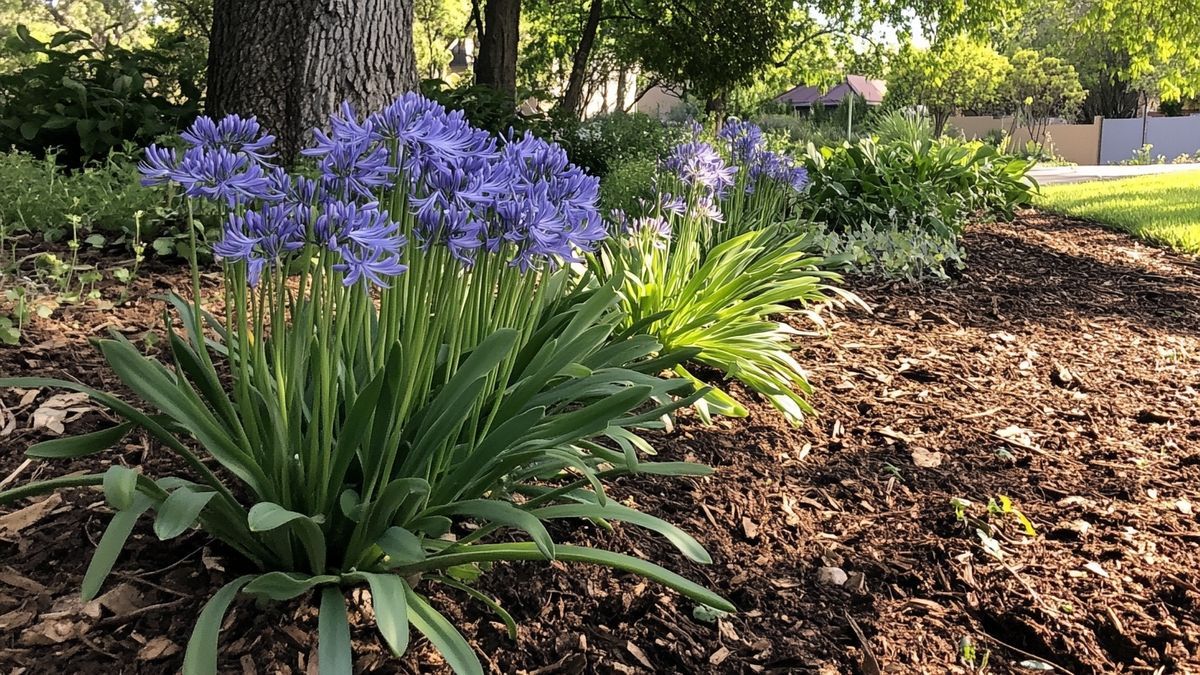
[[82, 445], [402, 546], [111, 543], [503, 513], [285, 586], [333, 635], [445, 638], [683, 541], [120, 485], [267, 516], [179, 511], [390, 602], [201, 655], [567, 552]]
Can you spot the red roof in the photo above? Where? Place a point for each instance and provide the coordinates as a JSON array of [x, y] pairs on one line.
[[805, 96]]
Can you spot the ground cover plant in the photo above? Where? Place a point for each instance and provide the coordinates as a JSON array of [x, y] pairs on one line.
[[83, 101], [402, 347], [99, 205], [1161, 208]]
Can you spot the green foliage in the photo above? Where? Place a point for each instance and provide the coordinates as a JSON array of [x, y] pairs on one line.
[[893, 252], [707, 47], [721, 308], [627, 182], [902, 127], [957, 75], [904, 198], [605, 141], [794, 131], [710, 287], [101, 204], [493, 110], [436, 23], [83, 100], [1041, 87], [1161, 208]]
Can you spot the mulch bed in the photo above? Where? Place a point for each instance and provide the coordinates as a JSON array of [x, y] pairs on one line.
[[1059, 374]]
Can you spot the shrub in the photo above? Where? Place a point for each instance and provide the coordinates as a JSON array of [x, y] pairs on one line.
[[601, 143], [406, 352], [799, 130], [901, 126], [929, 188], [83, 101], [627, 182]]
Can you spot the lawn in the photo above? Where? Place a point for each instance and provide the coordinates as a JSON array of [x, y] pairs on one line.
[[1162, 208]]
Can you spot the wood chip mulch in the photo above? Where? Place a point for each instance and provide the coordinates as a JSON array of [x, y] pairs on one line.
[[1056, 380]]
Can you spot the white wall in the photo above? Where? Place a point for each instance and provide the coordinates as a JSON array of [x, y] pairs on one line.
[[1170, 136]]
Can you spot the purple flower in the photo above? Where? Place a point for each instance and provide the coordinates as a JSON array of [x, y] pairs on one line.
[[223, 176], [369, 266], [158, 167], [366, 239], [655, 228], [260, 239], [772, 166], [745, 139], [232, 133], [699, 166]]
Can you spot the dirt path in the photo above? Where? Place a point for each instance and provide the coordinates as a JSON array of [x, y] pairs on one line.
[[1060, 374]]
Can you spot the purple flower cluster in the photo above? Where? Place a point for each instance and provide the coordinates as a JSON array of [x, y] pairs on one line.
[[700, 167], [465, 190], [748, 147], [745, 139]]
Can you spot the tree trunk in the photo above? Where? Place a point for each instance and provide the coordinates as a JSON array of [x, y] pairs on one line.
[[496, 65], [622, 89], [292, 62], [572, 100]]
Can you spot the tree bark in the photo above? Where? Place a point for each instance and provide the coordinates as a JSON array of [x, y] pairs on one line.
[[572, 100], [496, 65], [293, 62]]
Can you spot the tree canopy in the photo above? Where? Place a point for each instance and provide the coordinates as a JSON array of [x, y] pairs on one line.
[[960, 74]]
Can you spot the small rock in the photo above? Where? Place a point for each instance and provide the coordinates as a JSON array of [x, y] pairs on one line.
[[832, 576]]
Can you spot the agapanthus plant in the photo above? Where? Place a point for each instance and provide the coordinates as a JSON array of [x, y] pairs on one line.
[[721, 308], [711, 266], [407, 349], [769, 184]]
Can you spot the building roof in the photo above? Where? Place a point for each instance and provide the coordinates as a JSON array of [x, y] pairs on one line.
[[804, 96]]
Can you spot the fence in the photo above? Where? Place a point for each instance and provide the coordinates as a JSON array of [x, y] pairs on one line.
[[1104, 141]]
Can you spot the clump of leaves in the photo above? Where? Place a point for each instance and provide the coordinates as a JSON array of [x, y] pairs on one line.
[[86, 101]]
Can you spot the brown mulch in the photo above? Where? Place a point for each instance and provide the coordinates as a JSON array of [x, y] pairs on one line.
[[1059, 374]]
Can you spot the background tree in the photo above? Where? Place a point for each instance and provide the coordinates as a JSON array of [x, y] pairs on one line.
[[436, 24], [705, 48], [292, 62], [1040, 88], [499, 27], [960, 74]]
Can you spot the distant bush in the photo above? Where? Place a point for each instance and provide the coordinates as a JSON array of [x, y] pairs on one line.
[[82, 102], [603, 142], [627, 182], [800, 130], [491, 109]]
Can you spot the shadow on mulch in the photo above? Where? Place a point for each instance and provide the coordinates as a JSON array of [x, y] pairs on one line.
[[1061, 373]]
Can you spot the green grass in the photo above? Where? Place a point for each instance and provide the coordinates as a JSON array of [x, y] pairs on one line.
[[1164, 208]]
